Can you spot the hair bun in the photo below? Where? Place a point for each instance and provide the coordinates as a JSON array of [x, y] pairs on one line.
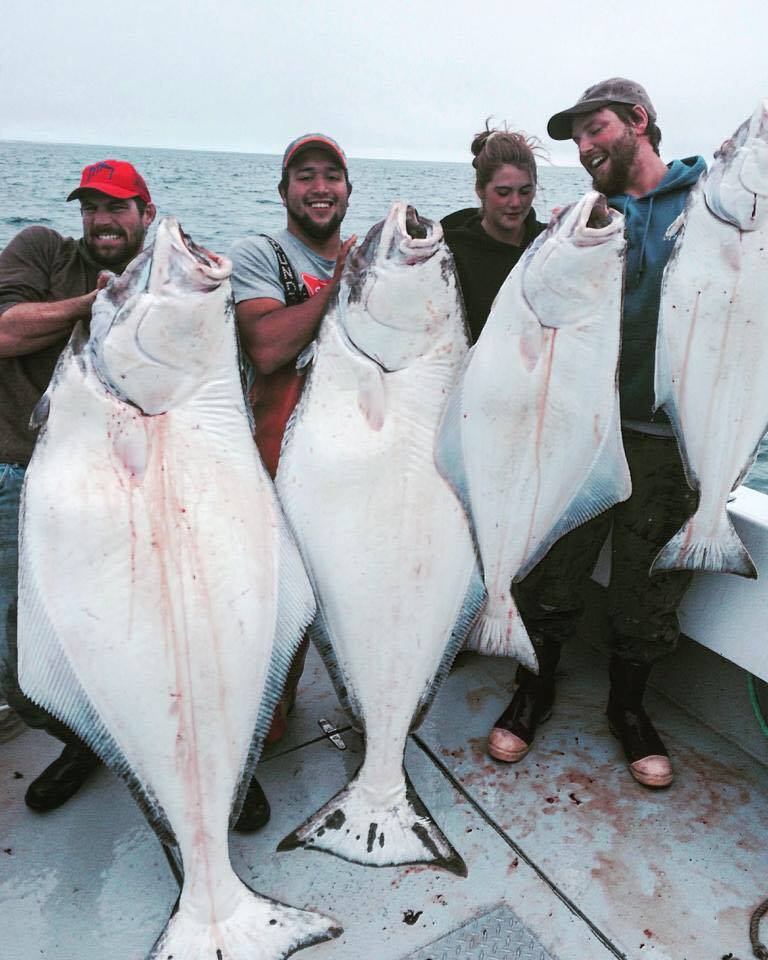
[[495, 146], [480, 140]]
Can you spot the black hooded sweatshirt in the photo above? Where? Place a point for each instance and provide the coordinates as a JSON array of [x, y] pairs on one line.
[[482, 262]]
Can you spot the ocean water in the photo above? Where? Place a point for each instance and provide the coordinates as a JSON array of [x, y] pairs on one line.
[[219, 197]]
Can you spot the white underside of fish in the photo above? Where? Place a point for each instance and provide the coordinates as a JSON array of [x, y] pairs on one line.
[[712, 377], [160, 601], [531, 437], [389, 552]]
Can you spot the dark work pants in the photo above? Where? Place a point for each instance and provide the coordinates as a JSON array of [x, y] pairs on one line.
[[642, 610]]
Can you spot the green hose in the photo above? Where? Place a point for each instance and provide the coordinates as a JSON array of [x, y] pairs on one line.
[[756, 704]]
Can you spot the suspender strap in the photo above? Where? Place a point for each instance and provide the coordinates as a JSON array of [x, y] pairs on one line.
[[294, 293]]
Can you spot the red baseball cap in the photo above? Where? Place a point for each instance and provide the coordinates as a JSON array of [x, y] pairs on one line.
[[317, 140], [116, 178]]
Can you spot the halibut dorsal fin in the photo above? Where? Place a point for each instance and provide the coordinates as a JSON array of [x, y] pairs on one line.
[[472, 603], [295, 611]]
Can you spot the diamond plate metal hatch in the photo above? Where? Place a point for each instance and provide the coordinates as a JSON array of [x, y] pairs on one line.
[[497, 935]]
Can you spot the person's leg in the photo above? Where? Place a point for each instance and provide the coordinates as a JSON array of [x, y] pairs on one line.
[[64, 777], [279, 725], [550, 603], [11, 477], [643, 608]]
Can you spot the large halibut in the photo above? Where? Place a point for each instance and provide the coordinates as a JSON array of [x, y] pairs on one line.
[[531, 438], [712, 345], [384, 538], [160, 594]]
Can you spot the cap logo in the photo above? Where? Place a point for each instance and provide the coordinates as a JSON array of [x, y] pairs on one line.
[[97, 168]]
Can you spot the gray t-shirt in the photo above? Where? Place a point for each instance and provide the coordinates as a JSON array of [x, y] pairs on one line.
[[256, 273]]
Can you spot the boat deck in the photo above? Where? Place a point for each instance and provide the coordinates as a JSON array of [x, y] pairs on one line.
[[568, 858]]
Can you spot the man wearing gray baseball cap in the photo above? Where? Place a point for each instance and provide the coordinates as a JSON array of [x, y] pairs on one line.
[[613, 124], [603, 94]]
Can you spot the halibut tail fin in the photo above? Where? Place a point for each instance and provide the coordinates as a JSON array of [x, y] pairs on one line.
[[499, 631], [722, 551], [356, 828], [257, 928]]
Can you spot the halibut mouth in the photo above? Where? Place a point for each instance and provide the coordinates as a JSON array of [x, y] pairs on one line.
[[415, 226], [599, 216], [201, 254]]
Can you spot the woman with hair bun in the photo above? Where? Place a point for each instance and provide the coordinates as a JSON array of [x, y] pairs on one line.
[[488, 242]]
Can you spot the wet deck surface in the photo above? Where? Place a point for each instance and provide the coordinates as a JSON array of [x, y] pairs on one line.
[[591, 863]]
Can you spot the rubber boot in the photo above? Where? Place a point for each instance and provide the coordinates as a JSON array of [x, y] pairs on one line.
[[645, 752], [61, 779], [255, 812], [514, 731]]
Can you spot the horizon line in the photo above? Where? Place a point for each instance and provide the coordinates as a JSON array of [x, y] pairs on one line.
[[256, 153]]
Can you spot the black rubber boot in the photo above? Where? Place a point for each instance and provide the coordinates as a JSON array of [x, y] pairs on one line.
[[255, 812], [514, 731], [645, 752], [61, 779]]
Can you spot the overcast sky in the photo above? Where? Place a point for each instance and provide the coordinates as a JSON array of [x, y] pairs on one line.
[[397, 79]]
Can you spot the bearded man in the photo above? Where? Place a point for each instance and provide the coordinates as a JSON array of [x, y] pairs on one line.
[[48, 283], [282, 286], [613, 124]]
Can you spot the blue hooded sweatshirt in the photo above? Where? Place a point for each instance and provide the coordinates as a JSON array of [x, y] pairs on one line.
[[647, 220]]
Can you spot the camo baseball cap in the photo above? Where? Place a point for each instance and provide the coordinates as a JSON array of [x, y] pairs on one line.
[[615, 90], [116, 178], [317, 140]]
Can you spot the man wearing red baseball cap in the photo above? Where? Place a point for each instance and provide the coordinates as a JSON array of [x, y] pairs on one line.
[[47, 284], [282, 286], [283, 283], [116, 209]]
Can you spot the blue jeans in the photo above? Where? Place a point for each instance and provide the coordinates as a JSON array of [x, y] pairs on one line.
[[11, 479]]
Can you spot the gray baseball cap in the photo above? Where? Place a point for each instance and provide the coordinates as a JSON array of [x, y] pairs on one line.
[[615, 90]]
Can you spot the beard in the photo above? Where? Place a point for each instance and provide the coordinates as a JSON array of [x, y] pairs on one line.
[[119, 256], [318, 231], [616, 175]]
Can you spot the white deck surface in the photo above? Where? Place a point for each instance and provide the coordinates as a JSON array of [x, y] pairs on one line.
[[593, 864]]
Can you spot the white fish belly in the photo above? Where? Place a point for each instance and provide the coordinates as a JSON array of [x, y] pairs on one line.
[[538, 406], [384, 538], [713, 350], [130, 523]]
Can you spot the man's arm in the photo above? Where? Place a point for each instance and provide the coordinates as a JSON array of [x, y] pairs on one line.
[[273, 334], [29, 319], [29, 327]]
